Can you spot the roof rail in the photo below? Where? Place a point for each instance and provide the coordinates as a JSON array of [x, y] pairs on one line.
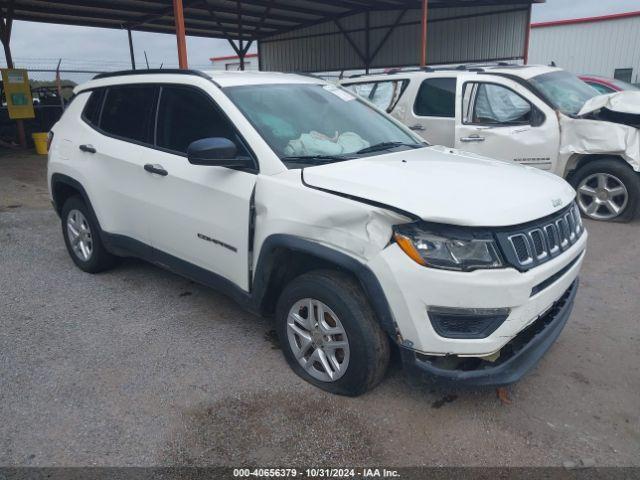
[[460, 68], [121, 73]]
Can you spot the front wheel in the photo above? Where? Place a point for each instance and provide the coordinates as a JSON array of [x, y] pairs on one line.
[[607, 189], [329, 334]]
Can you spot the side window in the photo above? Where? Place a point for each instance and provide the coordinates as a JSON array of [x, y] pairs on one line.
[[624, 74], [436, 98], [491, 104], [128, 112], [186, 115], [91, 112], [601, 88], [383, 94], [361, 89]]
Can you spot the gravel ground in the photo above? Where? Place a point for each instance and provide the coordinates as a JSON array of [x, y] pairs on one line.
[[138, 366]]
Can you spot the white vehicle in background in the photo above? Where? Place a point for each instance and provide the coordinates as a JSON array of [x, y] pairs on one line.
[[539, 116], [304, 203]]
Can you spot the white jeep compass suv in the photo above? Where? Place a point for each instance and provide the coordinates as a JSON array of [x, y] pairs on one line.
[[533, 115], [303, 202]]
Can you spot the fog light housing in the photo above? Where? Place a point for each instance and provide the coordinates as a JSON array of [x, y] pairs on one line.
[[466, 322]]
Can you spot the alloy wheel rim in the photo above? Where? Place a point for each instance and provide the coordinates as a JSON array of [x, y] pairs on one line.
[[602, 196], [318, 340], [79, 233]]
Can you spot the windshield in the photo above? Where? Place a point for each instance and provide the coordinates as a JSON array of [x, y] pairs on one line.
[[317, 123], [564, 90]]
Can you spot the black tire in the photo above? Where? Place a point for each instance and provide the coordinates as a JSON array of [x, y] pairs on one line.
[[100, 259], [368, 344], [623, 173]]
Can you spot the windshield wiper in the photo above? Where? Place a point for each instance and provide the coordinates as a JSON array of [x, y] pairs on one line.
[[316, 159], [387, 146]]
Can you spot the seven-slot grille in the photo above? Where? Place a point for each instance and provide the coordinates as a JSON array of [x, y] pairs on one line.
[[541, 241]]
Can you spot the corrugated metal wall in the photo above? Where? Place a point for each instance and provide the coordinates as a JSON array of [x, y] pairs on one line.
[[598, 48], [469, 34]]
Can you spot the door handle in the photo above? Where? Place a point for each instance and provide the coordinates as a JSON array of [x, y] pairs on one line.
[[157, 169], [417, 128], [87, 148], [472, 138]]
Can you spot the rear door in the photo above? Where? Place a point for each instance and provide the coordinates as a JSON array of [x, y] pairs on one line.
[[116, 131], [498, 118], [197, 214], [431, 112]]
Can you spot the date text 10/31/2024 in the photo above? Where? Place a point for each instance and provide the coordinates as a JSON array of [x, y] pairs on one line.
[[316, 473]]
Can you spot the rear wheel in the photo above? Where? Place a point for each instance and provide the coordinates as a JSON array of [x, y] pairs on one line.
[[82, 238], [329, 334], [607, 189]]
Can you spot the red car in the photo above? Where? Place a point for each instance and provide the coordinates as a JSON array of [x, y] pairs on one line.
[[606, 85]]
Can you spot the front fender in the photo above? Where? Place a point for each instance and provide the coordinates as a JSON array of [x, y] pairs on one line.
[[268, 264]]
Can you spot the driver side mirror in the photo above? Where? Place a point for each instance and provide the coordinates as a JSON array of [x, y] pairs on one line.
[[537, 117], [215, 151]]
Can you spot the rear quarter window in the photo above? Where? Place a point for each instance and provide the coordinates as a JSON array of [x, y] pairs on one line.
[[384, 94], [91, 111]]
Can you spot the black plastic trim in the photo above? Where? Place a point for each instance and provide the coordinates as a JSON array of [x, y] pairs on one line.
[[151, 71], [367, 279], [128, 247], [502, 239], [253, 301], [59, 178], [556, 276], [492, 321], [504, 373]]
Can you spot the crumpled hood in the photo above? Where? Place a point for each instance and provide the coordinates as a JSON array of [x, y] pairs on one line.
[[443, 185], [621, 102]]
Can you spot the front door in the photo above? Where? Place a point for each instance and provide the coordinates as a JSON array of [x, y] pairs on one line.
[[501, 119], [198, 214]]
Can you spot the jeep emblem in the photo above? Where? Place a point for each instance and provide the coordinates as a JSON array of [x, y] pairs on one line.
[[556, 202]]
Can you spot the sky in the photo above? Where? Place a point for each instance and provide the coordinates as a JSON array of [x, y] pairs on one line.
[[94, 48]]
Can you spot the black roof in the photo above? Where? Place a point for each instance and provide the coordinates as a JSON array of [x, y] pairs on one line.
[[248, 19]]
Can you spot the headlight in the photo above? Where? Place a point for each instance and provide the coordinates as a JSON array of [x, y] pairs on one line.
[[455, 250]]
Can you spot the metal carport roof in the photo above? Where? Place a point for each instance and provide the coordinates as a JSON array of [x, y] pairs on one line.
[[246, 19]]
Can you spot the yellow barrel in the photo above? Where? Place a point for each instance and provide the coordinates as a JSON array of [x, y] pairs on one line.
[[40, 140]]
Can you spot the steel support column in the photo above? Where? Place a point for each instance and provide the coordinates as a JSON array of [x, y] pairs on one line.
[[6, 22], [241, 39], [527, 35], [133, 58], [367, 42], [178, 15], [423, 28]]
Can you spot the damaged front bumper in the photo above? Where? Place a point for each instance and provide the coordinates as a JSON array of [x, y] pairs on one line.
[[516, 358]]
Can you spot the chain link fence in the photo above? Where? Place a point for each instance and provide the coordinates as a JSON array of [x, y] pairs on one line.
[[52, 81]]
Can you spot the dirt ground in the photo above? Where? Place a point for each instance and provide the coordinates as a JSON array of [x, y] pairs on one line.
[[23, 180], [138, 366]]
